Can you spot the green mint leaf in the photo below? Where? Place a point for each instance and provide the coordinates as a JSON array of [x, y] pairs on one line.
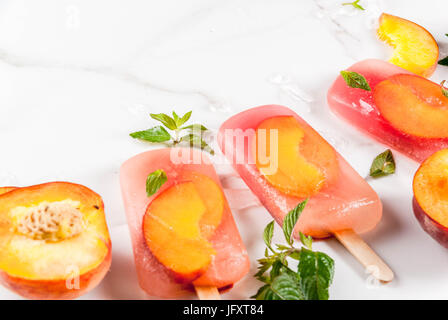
[[290, 221], [184, 119], [268, 233], [265, 293], [355, 80], [165, 119], [316, 271], [444, 61], [197, 142], [282, 247], [154, 181], [286, 287], [176, 118], [306, 240], [155, 134], [264, 266], [277, 269], [383, 164], [355, 4], [444, 89], [295, 255], [195, 127]]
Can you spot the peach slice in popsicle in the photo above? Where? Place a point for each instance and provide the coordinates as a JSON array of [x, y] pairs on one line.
[[183, 236], [403, 111], [284, 161]]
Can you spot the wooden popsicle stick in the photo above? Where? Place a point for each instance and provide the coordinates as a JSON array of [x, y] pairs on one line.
[[365, 255], [207, 293]]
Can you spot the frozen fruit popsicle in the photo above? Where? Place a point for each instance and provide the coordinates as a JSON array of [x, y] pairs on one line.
[[404, 111], [184, 235], [283, 160]]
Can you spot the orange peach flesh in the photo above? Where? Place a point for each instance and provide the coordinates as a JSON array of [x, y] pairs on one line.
[[431, 187], [63, 268], [304, 162], [415, 49], [178, 223], [413, 105]]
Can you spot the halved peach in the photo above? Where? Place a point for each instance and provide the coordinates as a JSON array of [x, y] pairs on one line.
[[6, 189], [416, 49], [54, 242], [178, 223], [413, 105], [431, 196], [296, 161]]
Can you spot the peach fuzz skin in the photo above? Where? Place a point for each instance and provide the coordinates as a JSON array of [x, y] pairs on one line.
[[431, 227], [58, 289]]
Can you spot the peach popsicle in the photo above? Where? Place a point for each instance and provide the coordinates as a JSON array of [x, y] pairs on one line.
[[283, 160], [184, 235], [403, 110]]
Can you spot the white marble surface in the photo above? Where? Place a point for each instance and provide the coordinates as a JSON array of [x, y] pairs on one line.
[[77, 76]]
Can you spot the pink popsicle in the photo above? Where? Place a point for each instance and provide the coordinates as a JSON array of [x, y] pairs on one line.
[[357, 106], [347, 202], [231, 261]]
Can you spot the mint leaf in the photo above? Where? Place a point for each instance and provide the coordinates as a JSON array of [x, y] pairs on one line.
[[316, 271], [383, 164], [290, 221], [154, 181], [268, 234], [355, 80], [444, 61], [184, 119], [155, 134], [165, 119], [286, 287], [266, 293], [176, 118], [355, 4], [197, 142], [195, 127], [307, 241], [283, 287]]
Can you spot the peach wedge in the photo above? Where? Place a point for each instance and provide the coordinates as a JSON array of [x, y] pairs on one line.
[[54, 241], [414, 47], [430, 201], [413, 105]]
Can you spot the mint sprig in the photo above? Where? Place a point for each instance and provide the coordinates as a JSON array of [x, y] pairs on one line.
[[383, 164], [154, 181], [354, 4], [191, 135], [314, 273], [355, 80]]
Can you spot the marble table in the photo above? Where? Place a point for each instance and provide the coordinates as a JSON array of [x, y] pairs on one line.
[[77, 76]]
